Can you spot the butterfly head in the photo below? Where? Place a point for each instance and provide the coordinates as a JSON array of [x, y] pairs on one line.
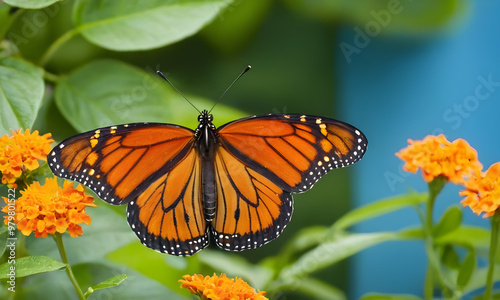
[[205, 118]]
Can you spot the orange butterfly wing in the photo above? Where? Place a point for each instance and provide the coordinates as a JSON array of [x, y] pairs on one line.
[[251, 210], [293, 151], [144, 165], [262, 160], [168, 215]]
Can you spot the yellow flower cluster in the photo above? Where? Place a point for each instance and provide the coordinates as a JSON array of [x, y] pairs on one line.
[[220, 288], [49, 208], [21, 152], [436, 156]]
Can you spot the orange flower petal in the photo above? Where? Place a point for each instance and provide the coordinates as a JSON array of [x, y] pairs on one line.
[[32, 212], [74, 230], [61, 225]]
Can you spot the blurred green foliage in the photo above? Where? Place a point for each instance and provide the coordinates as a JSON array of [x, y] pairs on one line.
[[71, 66]]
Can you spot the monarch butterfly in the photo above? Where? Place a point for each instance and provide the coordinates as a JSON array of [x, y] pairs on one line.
[[232, 184]]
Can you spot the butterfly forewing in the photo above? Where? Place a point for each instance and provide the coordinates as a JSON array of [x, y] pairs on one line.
[[293, 151], [119, 162]]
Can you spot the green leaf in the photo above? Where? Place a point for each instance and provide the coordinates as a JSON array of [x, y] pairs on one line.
[[239, 25], [373, 296], [336, 248], [110, 282], [450, 221], [450, 258], [140, 25], [467, 269], [478, 279], [482, 297], [234, 265], [108, 92], [330, 252], [32, 4], [466, 236], [5, 22], [3, 238], [316, 289], [152, 264], [379, 208], [305, 239], [21, 93], [29, 265], [411, 234]]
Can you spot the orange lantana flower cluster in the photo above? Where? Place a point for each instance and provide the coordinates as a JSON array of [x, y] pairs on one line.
[[436, 156], [483, 192], [457, 161], [220, 288], [21, 152], [49, 208]]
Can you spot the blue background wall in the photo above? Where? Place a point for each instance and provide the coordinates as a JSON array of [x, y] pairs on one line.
[[395, 89]]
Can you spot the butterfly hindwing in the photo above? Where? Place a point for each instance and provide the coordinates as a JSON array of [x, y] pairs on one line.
[[251, 210], [294, 150], [168, 215], [119, 162]]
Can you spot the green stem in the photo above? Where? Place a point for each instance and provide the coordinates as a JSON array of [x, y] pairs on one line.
[[56, 45], [433, 272], [50, 77], [58, 238], [429, 284], [435, 187], [495, 230]]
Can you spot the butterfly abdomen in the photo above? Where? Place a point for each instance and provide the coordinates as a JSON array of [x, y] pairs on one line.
[[208, 189]]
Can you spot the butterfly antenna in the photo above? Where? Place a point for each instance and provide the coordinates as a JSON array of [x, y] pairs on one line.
[[164, 77], [239, 76]]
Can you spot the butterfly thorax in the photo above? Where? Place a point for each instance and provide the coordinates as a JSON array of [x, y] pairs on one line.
[[206, 138], [206, 143]]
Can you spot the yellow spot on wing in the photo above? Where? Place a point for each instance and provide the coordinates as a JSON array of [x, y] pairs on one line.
[[93, 142], [323, 129], [92, 158], [91, 172], [320, 163]]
